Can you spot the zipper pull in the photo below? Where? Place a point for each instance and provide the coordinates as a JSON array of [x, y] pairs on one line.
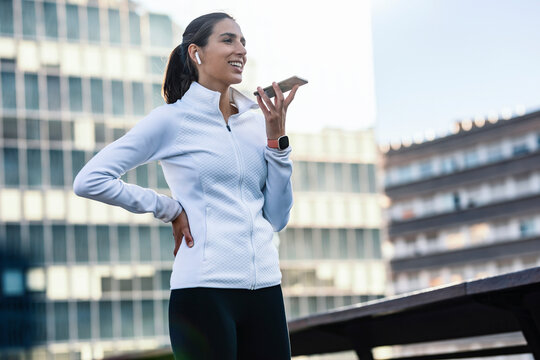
[[228, 128]]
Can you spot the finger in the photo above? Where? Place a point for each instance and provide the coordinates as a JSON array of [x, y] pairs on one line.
[[279, 94], [187, 236], [263, 107], [290, 98], [266, 99]]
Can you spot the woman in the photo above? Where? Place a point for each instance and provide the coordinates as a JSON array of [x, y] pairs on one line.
[[231, 190]]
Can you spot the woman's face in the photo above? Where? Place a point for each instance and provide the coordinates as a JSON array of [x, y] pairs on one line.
[[224, 56]]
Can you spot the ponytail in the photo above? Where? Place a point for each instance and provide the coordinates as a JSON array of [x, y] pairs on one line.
[[181, 71]]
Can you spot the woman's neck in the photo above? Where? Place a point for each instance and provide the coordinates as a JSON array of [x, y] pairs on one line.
[[224, 100]]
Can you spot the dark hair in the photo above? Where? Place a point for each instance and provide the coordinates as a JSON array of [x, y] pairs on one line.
[[180, 71]]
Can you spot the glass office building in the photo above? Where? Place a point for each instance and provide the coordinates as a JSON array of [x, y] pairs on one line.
[[90, 280], [73, 77]]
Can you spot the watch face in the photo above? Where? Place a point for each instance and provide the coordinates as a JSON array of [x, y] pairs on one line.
[[283, 142]]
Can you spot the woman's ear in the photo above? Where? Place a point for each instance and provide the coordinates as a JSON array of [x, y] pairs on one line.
[[193, 51]]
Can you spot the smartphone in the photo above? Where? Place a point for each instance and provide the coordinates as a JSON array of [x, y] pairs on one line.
[[284, 85]]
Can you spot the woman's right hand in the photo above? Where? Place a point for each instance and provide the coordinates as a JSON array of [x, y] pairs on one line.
[[181, 230]]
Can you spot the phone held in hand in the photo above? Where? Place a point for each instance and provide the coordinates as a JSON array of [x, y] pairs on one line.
[[284, 85]]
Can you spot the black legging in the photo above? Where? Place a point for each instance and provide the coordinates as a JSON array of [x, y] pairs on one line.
[[228, 324]]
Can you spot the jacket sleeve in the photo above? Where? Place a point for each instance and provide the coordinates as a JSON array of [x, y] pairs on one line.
[[150, 139], [278, 197]]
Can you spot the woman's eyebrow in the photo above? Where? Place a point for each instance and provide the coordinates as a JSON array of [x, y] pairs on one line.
[[233, 36]]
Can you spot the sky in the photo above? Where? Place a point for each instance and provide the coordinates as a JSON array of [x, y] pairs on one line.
[[403, 67]]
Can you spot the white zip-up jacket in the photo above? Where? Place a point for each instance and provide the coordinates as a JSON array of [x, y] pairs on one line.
[[236, 191]]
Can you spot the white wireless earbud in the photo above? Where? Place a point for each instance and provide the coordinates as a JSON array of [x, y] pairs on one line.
[[198, 58]]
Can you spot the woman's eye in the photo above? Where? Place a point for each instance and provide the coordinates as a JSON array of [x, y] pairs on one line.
[[228, 40]]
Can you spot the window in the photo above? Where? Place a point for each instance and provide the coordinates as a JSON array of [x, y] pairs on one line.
[[55, 130], [166, 243], [37, 247], [11, 166], [134, 28], [145, 244], [56, 158], [520, 147], [93, 24], [105, 319], [118, 97], [160, 30], [77, 161], [137, 91], [33, 160], [337, 173], [126, 315], [51, 20], [8, 89], [96, 95], [33, 131], [72, 22], [148, 317], [142, 175], [12, 282], [404, 174], [301, 174], [360, 243], [376, 244], [31, 91], [527, 228], [343, 244], [309, 251], [161, 182], [321, 176], [53, 93], [115, 33], [471, 159], [372, 180], [10, 128], [99, 133], [81, 243], [59, 243], [165, 279], [157, 100], [103, 244], [426, 169], [327, 250], [75, 94], [494, 153], [84, 320], [29, 19], [61, 321], [157, 65], [124, 246], [6, 17], [355, 177], [448, 165]]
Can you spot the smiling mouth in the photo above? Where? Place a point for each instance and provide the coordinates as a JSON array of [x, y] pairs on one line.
[[236, 64]]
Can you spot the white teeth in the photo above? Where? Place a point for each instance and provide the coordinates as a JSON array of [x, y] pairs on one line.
[[236, 63]]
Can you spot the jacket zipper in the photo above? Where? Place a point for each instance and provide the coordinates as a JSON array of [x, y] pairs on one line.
[[242, 171]]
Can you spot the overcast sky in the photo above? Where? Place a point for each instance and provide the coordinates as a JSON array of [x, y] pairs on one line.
[[404, 67]]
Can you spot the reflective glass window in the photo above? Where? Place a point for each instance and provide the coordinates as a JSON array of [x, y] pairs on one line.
[[124, 245], [103, 244], [166, 243], [72, 22], [55, 130], [59, 243], [51, 20], [93, 24], [337, 174], [161, 182], [165, 279], [33, 130], [148, 317], [31, 91], [160, 30], [142, 175], [137, 90], [105, 319], [37, 247], [360, 244], [355, 177], [115, 34], [29, 19], [33, 160], [13, 237], [372, 179], [157, 99], [81, 243], [126, 314], [8, 90], [9, 127], [145, 244], [376, 243], [11, 166], [321, 176], [343, 244], [84, 320], [6, 17], [117, 97], [77, 161], [134, 28], [75, 94], [53, 93], [61, 321], [157, 65], [56, 159], [96, 95]]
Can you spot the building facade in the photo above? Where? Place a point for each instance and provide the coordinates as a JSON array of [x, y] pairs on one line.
[[465, 206], [75, 75]]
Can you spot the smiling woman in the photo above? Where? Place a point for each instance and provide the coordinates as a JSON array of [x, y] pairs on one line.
[[228, 179]]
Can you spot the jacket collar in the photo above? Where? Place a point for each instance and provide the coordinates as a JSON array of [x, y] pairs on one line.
[[208, 99]]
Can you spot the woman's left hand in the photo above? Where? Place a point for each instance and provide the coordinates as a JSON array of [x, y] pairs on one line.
[[275, 112]]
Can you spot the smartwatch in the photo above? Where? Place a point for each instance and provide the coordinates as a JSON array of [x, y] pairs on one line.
[[280, 143]]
